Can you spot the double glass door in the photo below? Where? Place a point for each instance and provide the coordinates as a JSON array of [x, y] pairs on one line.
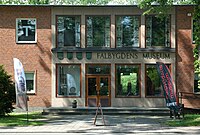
[[98, 90]]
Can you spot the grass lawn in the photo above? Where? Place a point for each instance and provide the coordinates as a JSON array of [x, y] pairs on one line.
[[20, 119], [188, 120]]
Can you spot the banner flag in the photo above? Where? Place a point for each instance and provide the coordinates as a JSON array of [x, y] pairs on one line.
[[20, 85], [168, 86]]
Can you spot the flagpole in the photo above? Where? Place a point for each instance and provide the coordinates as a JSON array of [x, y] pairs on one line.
[[27, 99]]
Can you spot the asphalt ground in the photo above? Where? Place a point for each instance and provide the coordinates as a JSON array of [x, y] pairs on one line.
[[114, 124]]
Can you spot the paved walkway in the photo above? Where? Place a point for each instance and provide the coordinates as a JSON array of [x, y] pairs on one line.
[[115, 124]]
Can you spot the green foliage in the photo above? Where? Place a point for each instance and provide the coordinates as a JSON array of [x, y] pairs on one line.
[[162, 8], [38, 1], [20, 119], [56, 2], [151, 6], [7, 92], [188, 120]]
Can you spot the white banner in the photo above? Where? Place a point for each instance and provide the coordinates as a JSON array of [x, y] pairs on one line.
[[20, 85]]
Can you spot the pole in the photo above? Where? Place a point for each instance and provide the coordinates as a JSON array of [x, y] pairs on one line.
[[27, 99], [27, 117]]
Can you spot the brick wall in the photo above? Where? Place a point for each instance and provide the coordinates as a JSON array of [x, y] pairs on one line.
[[185, 60], [34, 57]]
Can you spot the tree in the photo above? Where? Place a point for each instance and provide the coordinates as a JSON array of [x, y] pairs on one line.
[[7, 92], [56, 2], [161, 8]]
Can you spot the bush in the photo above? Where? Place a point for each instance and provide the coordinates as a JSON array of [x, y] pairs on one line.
[[7, 92]]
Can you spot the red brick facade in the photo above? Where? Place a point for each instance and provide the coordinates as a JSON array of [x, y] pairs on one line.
[[34, 57], [38, 57], [185, 60]]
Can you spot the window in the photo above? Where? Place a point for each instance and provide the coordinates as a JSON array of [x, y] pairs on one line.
[[26, 31], [98, 69], [68, 80], [157, 31], [30, 82], [196, 83], [194, 23], [127, 31], [153, 83], [98, 31], [68, 31], [127, 80]]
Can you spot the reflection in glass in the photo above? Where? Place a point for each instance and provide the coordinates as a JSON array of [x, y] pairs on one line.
[[98, 69], [26, 30], [157, 31], [196, 83], [153, 84], [98, 31], [92, 86], [127, 80], [104, 86], [68, 31], [69, 80], [127, 31], [30, 82]]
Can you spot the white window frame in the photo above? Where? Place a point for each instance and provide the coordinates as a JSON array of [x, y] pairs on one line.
[[34, 83], [17, 41]]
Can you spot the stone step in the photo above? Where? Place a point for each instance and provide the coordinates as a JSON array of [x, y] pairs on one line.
[[106, 111]]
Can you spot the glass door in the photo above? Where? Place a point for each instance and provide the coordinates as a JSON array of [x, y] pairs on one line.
[[98, 90]]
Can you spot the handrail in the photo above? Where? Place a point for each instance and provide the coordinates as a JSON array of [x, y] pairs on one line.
[[186, 92], [181, 93]]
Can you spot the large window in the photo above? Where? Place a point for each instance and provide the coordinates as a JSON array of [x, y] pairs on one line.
[[26, 30], [98, 31], [157, 31], [68, 31], [153, 83], [127, 31], [30, 82], [68, 80], [127, 80]]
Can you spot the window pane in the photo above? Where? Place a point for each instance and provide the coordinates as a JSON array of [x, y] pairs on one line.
[[194, 30], [127, 80], [68, 31], [127, 31], [153, 85], [98, 69], [157, 31], [69, 80], [196, 83], [30, 82], [98, 31], [26, 30]]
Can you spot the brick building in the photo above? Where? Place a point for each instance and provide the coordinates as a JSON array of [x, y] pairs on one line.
[[71, 52]]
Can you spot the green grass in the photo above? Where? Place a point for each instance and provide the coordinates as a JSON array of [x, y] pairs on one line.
[[188, 120], [20, 119]]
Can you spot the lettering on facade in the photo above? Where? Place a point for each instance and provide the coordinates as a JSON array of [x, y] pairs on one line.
[[118, 55], [132, 55], [156, 55]]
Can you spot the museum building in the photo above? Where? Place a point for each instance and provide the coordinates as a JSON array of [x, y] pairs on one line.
[[77, 52]]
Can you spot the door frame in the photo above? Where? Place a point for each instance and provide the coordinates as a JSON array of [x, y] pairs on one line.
[[98, 87]]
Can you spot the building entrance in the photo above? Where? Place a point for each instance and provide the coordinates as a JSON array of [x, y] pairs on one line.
[[98, 81], [95, 85]]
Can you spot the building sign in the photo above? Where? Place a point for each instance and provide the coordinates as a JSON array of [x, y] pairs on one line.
[[132, 55]]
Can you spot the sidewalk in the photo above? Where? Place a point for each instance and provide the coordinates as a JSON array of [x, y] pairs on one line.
[[115, 124]]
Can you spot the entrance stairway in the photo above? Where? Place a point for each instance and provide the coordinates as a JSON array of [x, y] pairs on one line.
[[107, 111]]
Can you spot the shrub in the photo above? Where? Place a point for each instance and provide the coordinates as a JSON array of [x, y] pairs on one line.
[[7, 92]]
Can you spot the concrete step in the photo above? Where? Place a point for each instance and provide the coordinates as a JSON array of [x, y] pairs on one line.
[[106, 111]]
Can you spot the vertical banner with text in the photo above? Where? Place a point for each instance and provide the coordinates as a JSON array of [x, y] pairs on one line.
[[168, 85], [20, 85]]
